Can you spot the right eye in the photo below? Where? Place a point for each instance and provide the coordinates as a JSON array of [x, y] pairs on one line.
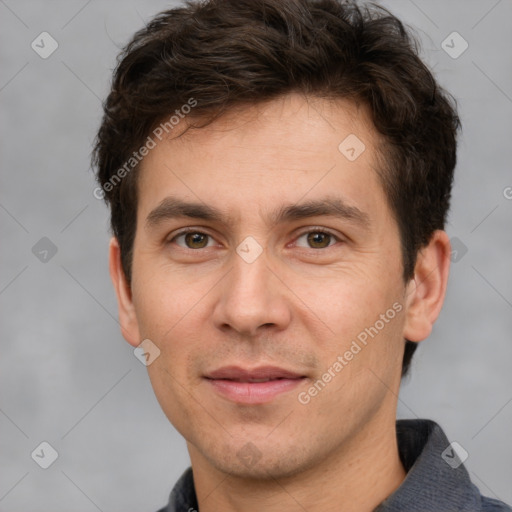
[[193, 240]]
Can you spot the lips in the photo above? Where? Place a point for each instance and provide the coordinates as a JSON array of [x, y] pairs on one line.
[[261, 374], [256, 386]]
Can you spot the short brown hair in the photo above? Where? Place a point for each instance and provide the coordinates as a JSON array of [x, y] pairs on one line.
[[227, 53]]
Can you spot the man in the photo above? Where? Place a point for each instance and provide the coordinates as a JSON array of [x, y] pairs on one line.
[[279, 176]]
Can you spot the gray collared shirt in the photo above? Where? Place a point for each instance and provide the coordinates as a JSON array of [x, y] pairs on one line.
[[436, 479]]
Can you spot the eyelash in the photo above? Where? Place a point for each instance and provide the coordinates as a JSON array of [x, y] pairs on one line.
[[310, 230]]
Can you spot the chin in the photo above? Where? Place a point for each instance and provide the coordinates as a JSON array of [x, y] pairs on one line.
[[263, 463]]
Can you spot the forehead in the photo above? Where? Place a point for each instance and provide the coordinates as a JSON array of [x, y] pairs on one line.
[[284, 150]]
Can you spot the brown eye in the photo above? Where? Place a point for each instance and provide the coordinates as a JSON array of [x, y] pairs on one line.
[[318, 239], [196, 240], [192, 240]]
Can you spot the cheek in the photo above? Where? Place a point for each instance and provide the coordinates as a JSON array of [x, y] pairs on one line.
[[348, 300], [365, 319], [170, 318], [173, 395], [173, 313], [162, 300]]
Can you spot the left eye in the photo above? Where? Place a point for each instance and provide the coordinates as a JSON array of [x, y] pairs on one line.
[[318, 239]]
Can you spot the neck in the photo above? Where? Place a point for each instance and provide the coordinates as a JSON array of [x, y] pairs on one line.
[[356, 477]]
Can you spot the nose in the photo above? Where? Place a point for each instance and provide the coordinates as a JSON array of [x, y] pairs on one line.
[[252, 298]]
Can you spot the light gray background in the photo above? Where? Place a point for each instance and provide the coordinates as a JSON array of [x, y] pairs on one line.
[[67, 375]]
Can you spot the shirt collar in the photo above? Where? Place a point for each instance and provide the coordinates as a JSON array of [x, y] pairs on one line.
[[436, 479]]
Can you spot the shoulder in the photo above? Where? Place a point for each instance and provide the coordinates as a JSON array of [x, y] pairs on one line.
[[492, 505]]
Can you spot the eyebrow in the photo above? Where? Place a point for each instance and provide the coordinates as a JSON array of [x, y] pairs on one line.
[[172, 207]]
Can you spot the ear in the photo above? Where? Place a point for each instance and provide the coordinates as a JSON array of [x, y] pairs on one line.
[[426, 290], [127, 317]]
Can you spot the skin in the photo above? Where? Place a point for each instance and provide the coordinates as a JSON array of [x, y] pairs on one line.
[[297, 306]]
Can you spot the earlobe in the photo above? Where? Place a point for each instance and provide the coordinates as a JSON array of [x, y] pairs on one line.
[[427, 289], [127, 317]]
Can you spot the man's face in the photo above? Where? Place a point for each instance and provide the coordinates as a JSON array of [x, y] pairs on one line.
[[251, 290]]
